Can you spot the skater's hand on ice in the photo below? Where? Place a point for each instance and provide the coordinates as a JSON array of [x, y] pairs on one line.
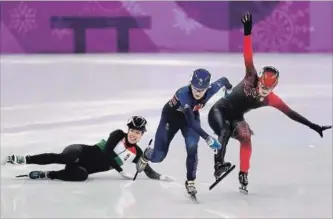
[[319, 129], [247, 23], [213, 143], [126, 175]]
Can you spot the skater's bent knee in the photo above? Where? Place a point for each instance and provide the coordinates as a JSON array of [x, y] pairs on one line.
[[79, 174], [246, 139], [243, 133], [158, 156]]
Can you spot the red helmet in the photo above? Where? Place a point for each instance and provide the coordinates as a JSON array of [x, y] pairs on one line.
[[268, 77]]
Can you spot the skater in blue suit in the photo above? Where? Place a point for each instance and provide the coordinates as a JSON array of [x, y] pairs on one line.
[[182, 113]]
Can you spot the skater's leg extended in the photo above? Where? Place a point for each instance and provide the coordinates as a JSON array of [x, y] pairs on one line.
[[242, 133], [72, 172], [42, 159], [222, 128], [164, 135], [165, 132], [69, 155], [191, 142]]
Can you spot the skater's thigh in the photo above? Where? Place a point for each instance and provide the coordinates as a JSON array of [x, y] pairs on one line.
[[166, 131], [72, 152], [241, 130], [216, 120]]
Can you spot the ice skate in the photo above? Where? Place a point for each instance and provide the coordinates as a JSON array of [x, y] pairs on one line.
[[242, 177], [38, 175], [35, 175], [221, 168], [221, 171], [14, 159], [191, 190]]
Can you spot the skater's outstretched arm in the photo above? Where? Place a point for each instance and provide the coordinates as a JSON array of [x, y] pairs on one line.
[[276, 102], [247, 49], [152, 174], [217, 85]]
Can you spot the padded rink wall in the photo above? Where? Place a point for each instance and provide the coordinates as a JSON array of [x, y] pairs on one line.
[[163, 27]]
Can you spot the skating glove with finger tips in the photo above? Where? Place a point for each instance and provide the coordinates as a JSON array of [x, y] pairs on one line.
[[213, 143], [141, 164], [247, 23], [319, 129], [126, 175]]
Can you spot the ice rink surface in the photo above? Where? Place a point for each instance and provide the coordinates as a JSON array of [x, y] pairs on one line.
[[50, 102]]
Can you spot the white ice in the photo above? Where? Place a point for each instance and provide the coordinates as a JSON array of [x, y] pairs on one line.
[[49, 102]]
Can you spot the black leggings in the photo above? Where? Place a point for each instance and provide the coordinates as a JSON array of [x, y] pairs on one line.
[[70, 157], [222, 129]]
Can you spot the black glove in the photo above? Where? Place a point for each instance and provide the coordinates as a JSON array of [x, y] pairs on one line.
[[227, 84], [247, 23], [319, 129]]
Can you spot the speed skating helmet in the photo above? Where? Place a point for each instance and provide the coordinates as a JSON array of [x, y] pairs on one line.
[[268, 77], [200, 79], [137, 123]]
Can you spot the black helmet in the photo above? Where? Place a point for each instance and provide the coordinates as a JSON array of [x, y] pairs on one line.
[[138, 123]]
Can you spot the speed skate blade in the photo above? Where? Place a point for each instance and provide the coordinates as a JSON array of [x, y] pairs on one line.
[[222, 177], [25, 175], [243, 190], [193, 198]]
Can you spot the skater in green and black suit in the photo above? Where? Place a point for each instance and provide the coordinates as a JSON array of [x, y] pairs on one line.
[[82, 160]]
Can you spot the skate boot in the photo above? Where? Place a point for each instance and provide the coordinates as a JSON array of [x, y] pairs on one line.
[[38, 175], [191, 190], [242, 177], [221, 168], [15, 159]]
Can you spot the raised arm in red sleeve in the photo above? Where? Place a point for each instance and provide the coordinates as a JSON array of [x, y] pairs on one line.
[[248, 55], [276, 102]]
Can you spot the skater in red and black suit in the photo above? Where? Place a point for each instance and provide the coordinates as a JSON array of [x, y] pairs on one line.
[[226, 117]]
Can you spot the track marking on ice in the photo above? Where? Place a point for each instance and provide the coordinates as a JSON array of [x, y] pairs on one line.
[[129, 184], [125, 201], [218, 213]]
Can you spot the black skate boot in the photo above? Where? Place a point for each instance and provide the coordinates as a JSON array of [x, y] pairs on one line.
[[14, 159], [191, 190], [38, 175], [242, 177], [221, 168]]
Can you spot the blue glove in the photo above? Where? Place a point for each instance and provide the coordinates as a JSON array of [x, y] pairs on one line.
[[213, 143]]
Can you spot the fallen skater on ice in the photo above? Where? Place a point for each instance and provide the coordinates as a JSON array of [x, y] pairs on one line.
[[82, 160]]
